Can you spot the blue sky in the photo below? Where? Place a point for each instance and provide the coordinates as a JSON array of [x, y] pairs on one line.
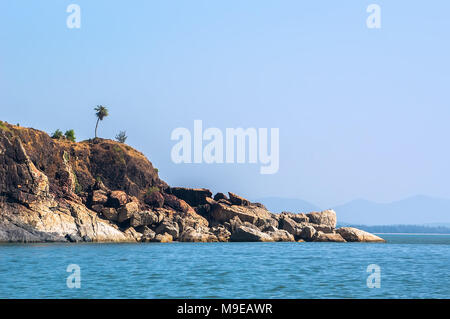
[[363, 113]]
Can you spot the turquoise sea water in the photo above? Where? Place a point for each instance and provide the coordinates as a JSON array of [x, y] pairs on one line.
[[412, 266]]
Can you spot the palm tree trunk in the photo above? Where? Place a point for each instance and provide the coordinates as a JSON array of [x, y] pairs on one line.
[[96, 125]]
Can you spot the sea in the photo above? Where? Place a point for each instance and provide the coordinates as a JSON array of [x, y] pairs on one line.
[[407, 266]]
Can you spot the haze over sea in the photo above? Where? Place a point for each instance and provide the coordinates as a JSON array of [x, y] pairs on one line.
[[412, 266]]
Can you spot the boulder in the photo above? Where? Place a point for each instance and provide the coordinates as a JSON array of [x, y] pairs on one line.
[[221, 233], [144, 218], [163, 238], [247, 234], [169, 228], [238, 200], [197, 235], [110, 214], [221, 213], [220, 196], [147, 233], [224, 201], [99, 197], [127, 211], [234, 224], [117, 199], [289, 225], [270, 228], [280, 235], [263, 223], [326, 217], [154, 198], [351, 234], [97, 208], [192, 196], [323, 228], [133, 233], [307, 233], [300, 218], [323, 237], [178, 204]]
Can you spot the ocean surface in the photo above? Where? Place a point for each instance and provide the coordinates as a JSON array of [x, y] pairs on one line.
[[410, 266]]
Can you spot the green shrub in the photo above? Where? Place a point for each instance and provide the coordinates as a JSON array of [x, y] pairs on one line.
[[57, 134], [70, 135], [78, 187], [152, 189], [121, 137]]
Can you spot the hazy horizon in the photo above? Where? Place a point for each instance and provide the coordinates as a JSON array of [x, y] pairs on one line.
[[362, 113]]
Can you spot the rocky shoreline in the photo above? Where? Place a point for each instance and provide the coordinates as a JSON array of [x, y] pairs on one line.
[[104, 191]]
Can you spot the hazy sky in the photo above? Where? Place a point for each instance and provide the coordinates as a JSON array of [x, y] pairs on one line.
[[362, 113]]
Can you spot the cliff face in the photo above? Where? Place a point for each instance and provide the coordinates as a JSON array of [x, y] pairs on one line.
[[101, 190]]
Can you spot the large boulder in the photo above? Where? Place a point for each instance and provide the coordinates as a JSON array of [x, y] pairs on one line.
[[169, 228], [247, 234], [178, 204], [144, 218], [289, 225], [127, 211], [280, 235], [117, 199], [356, 235], [298, 218], [192, 196], [133, 233], [326, 217], [238, 200], [323, 237], [197, 235], [163, 238], [321, 227], [99, 197], [221, 233], [307, 233], [219, 196], [221, 213], [147, 233], [110, 214], [263, 223]]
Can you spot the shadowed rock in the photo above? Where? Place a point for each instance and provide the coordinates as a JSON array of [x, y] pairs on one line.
[[247, 234], [192, 196]]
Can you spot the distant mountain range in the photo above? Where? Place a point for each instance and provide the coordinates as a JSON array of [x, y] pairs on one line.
[[416, 210]]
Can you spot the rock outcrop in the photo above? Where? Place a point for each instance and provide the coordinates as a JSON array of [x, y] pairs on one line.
[[356, 235], [101, 190]]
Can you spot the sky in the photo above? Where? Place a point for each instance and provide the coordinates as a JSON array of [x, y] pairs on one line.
[[362, 113]]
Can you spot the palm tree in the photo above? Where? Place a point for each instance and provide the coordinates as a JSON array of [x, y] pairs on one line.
[[102, 112]]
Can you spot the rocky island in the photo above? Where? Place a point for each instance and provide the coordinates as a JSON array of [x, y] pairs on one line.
[[56, 190]]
